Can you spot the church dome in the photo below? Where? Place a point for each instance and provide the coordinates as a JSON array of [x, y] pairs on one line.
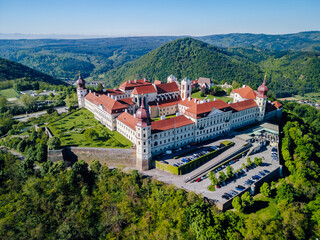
[[263, 89], [80, 82], [143, 115]]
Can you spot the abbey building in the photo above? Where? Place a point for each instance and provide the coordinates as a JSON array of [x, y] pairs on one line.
[[130, 108]]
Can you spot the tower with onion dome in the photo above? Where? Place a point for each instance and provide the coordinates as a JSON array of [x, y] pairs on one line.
[[261, 100], [143, 138], [81, 90]]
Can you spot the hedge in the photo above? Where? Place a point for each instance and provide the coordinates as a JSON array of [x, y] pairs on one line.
[[193, 164]]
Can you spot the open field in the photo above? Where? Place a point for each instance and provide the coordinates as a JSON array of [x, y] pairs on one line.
[[9, 93], [313, 97], [224, 98], [71, 131]]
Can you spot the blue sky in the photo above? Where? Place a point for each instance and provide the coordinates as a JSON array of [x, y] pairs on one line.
[[150, 17]]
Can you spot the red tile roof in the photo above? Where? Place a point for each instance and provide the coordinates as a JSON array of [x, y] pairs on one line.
[[243, 105], [246, 92], [167, 87], [110, 105], [166, 124], [165, 103], [156, 82], [112, 92], [144, 90], [277, 104], [128, 120], [206, 107], [190, 103], [125, 101], [131, 84]]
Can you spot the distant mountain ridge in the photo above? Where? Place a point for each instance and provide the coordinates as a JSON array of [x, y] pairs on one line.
[[62, 58]]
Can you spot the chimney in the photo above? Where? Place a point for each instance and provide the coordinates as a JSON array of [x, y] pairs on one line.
[[144, 79], [94, 93], [134, 115], [126, 110], [214, 99], [229, 102], [178, 114], [116, 98], [195, 100], [108, 94], [135, 81], [112, 96], [104, 90], [162, 117], [129, 81], [115, 89], [189, 99], [243, 86], [90, 91], [208, 100]]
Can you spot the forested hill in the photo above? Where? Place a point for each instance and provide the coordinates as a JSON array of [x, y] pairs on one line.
[[190, 58], [303, 41], [63, 58], [10, 70]]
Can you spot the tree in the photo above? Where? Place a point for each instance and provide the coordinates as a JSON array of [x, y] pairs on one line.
[[222, 176], [3, 102], [28, 101], [246, 200], [236, 204], [249, 162], [265, 189], [257, 161], [213, 178], [54, 143], [230, 173], [91, 134], [71, 100], [99, 88]]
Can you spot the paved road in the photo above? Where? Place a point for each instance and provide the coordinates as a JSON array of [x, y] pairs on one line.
[[25, 117]]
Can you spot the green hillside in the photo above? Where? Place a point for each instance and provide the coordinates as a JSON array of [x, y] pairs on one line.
[[190, 58], [63, 58], [10, 70], [303, 41], [288, 73]]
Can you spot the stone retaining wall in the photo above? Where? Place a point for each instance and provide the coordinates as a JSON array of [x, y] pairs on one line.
[[108, 156]]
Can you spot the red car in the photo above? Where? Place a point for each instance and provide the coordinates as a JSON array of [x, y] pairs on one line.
[[198, 179]]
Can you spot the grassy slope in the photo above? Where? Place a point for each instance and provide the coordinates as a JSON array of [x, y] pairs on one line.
[[69, 130], [9, 93], [225, 99]]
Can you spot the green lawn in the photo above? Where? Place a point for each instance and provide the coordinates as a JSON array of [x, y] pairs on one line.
[[9, 93], [71, 129], [313, 97], [225, 99], [168, 116]]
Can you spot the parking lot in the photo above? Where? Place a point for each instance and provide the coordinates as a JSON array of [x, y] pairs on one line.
[[269, 164]]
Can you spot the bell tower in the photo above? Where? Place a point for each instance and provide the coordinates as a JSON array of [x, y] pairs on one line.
[[185, 89], [261, 100], [81, 91], [143, 136]]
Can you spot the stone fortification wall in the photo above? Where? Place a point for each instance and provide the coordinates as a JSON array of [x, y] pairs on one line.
[[108, 156]]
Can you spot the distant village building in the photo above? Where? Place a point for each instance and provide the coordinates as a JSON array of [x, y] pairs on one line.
[[130, 108]]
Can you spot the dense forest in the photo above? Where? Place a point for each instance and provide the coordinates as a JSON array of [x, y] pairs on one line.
[[63, 58], [190, 58], [291, 61], [52, 202], [23, 77], [303, 41]]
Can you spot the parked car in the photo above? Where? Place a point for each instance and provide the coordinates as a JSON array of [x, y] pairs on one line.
[[198, 179], [266, 171]]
